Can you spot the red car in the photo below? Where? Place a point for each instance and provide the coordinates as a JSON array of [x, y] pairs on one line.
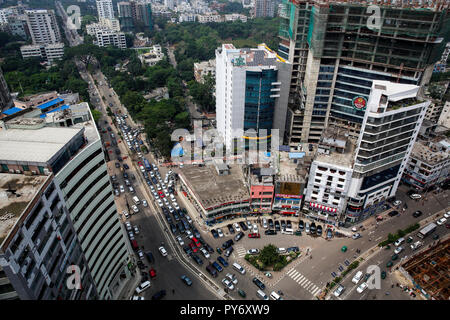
[[139, 163], [161, 194], [197, 243], [447, 225], [193, 247], [152, 273], [254, 235]]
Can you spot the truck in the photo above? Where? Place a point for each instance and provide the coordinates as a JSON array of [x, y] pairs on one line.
[[147, 165], [427, 230]]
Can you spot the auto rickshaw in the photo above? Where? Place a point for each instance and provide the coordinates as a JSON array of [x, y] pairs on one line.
[[344, 249], [389, 264], [383, 275]]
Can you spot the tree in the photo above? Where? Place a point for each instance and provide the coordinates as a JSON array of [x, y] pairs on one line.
[[96, 115], [269, 255]]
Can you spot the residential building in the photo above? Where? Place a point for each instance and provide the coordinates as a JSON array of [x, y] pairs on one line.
[[105, 9], [170, 4], [251, 93], [104, 38], [204, 68], [103, 25], [444, 118], [235, 17], [153, 56], [428, 165], [50, 52], [261, 182], [17, 25], [264, 8], [205, 18], [66, 213], [337, 54], [125, 16], [434, 111], [42, 26], [187, 17], [6, 101]]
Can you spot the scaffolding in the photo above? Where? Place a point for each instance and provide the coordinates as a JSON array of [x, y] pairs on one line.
[[430, 270]]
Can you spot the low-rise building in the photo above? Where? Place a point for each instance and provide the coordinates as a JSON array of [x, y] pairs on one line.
[[444, 117], [205, 18], [153, 56], [261, 181], [235, 17], [47, 52], [104, 38], [202, 69]]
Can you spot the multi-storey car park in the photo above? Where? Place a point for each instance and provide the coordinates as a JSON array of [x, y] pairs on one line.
[[58, 207], [336, 53]]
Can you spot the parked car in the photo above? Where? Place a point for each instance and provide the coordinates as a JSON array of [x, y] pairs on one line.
[[255, 235], [270, 223], [301, 225], [417, 214], [277, 226], [239, 236], [270, 232], [339, 290], [222, 261], [236, 227], [219, 232], [259, 283], [393, 213], [253, 251], [230, 228], [186, 280], [243, 226]]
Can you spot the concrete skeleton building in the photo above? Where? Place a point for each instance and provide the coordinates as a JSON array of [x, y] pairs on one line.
[[444, 118], [65, 214], [251, 92], [135, 14], [336, 57]]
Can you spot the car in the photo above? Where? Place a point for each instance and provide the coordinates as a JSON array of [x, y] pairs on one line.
[[393, 213], [131, 189], [222, 261], [143, 286], [159, 295], [187, 281], [117, 165], [152, 273], [209, 248], [228, 252], [270, 223], [356, 236], [243, 226], [255, 229], [128, 226], [329, 233], [144, 203], [394, 257], [265, 225], [137, 298], [126, 214], [277, 226], [149, 255], [288, 224], [180, 241], [188, 250], [239, 236], [159, 202], [227, 283], [383, 275], [255, 235], [116, 192], [217, 266], [136, 230], [197, 259], [447, 225], [196, 241], [416, 245], [441, 221], [389, 264], [435, 237], [230, 228], [415, 196], [135, 208], [399, 241], [122, 189], [319, 230], [447, 215], [227, 244], [242, 293], [417, 214], [409, 239], [205, 253], [140, 254], [189, 234], [214, 233], [249, 225], [339, 290], [258, 283], [270, 232], [397, 202], [283, 225], [232, 278], [363, 286], [163, 251], [293, 249], [398, 250], [125, 166], [220, 233], [313, 228], [253, 251]]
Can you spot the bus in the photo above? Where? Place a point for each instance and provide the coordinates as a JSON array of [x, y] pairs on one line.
[[427, 230], [147, 165]]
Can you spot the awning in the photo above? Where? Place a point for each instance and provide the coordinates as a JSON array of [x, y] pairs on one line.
[[12, 111], [322, 207]]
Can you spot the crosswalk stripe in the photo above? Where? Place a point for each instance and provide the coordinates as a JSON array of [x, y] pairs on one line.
[[303, 282], [291, 272], [311, 287], [297, 276], [300, 278], [315, 291]]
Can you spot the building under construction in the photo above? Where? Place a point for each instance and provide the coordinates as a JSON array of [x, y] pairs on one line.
[[337, 48], [430, 271]]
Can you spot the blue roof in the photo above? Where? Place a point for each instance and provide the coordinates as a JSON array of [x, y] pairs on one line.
[[63, 107], [50, 103], [296, 155], [12, 111]]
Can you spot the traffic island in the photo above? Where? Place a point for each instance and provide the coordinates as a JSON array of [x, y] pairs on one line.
[[269, 259]]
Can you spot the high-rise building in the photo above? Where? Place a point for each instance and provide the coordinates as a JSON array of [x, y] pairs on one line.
[[251, 91], [125, 16], [105, 9], [65, 215], [42, 26], [338, 48], [264, 8], [6, 100], [351, 177]]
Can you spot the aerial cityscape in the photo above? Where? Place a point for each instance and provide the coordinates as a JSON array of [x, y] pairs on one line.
[[227, 150]]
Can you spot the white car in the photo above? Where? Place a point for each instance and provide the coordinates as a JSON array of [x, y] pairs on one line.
[[441, 221], [253, 251], [163, 251], [219, 232], [171, 210], [339, 290], [398, 250], [128, 226], [143, 286], [159, 202], [397, 202], [228, 283], [188, 219], [137, 298], [415, 196], [236, 227], [363, 286], [189, 234], [130, 188], [140, 254], [135, 209], [255, 229], [265, 226], [447, 215], [232, 278], [176, 206], [144, 203], [126, 214], [180, 241], [136, 230], [205, 253], [122, 189]]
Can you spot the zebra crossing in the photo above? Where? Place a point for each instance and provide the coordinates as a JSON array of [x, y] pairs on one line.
[[240, 251], [303, 282]]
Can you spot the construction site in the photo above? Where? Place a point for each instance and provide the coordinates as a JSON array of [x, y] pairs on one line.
[[429, 271]]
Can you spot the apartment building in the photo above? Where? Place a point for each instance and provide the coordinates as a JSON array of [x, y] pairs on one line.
[[264, 8], [251, 93], [106, 37], [105, 9], [66, 215], [49, 52], [42, 26], [204, 68], [337, 53]]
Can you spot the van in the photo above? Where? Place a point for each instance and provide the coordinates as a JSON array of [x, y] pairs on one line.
[[281, 250], [399, 242], [287, 231], [275, 296], [143, 286], [239, 268], [262, 295], [212, 271], [136, 200], [357, 277]]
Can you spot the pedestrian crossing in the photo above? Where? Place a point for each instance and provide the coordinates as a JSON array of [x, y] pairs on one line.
[[240, 250], [303, 282]]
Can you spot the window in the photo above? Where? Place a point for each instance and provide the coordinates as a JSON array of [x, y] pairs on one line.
[[5, 168], [25, 168]]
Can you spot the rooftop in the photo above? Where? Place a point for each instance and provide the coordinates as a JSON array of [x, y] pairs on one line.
[[211, 189], [12, 205], [429, 153], [252, 57], [336, 147]]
